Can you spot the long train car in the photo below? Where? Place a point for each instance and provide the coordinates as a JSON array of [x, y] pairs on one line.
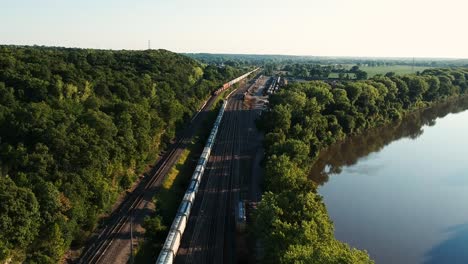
[[172, 243], [232, 82], [241, 219]]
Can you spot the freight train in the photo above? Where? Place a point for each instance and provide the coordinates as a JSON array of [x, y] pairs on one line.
[[171, 245], [230, 83]]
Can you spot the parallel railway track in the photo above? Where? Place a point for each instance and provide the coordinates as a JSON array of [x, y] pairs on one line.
[[120, 218], [212, 224], [112, 243]]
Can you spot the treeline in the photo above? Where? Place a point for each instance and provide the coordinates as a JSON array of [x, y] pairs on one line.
[[322, 72], [248, 59], [76, 127], [304, 118], [347, 152]]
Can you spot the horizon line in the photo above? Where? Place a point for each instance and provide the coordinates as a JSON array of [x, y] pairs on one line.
[[247, 53]]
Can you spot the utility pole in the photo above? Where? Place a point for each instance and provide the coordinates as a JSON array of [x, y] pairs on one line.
[[131, 237], [149, 44]]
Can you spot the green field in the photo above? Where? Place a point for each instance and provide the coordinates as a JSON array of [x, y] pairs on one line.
[[335, 75], [398, 69]]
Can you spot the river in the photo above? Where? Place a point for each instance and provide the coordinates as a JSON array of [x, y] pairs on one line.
[[401, 191]]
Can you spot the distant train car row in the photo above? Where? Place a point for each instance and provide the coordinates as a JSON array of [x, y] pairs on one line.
[[171, 245], [230, 83], [276, 83]]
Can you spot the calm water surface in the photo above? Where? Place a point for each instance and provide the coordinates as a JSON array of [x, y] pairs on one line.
[[401, 192]]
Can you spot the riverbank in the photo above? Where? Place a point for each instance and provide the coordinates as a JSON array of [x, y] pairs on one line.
[[306, 118], [379, 137], [399, 191]]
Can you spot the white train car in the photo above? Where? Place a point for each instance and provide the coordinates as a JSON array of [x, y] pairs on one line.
[[172, 243]]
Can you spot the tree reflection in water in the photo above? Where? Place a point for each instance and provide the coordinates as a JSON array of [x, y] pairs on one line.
[[349, 151]]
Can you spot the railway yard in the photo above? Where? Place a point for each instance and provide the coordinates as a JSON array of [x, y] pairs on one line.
[[225, 182], [232, 175]]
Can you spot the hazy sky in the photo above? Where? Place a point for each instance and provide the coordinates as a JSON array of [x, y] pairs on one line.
[[396, 28]]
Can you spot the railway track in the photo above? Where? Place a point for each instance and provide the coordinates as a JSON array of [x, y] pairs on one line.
[[209, 236], [226, 187], [100, 245], [214, 200]]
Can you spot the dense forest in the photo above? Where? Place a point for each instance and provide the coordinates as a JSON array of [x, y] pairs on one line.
[[76, 127], [303, 119]]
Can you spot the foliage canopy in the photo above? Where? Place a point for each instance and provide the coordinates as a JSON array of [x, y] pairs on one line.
[[304, 118], [76, 127]]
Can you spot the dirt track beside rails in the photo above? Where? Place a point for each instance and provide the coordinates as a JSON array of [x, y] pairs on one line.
[[112, 243]]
